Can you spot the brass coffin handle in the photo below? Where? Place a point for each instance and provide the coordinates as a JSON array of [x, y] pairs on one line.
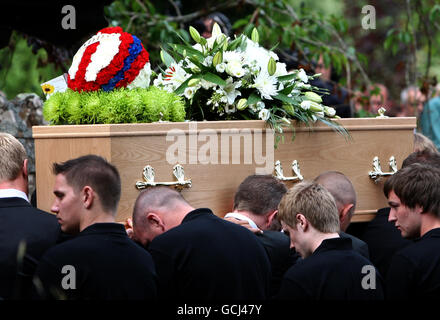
[[377, 172], [295, 168], [149, 176]]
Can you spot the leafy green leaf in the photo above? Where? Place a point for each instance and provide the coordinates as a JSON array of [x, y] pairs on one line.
[[167, 59], [253, 99], [213, 78]]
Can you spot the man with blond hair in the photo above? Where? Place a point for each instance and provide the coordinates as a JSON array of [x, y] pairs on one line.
[[21, 225], [330, 268]]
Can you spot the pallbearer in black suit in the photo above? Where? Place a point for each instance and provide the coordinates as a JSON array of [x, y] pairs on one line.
[[20, 223], [198, 255], [255, 207], [101, 262], [330, 269], [414, 197], [342, 190]]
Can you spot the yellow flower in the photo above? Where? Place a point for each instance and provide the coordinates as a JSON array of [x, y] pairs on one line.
[[47, 88]]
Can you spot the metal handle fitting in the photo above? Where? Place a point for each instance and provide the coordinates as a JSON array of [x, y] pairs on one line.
[[377, 172], [149, 176], [295, 168]]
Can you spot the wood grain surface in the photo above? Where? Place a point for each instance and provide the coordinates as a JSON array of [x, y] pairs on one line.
[[217, 172]]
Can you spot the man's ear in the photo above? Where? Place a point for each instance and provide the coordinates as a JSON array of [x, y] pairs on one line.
[[25, 168], [270, 217], [301, 222], [88, 196], [344, 214], [155, 221]]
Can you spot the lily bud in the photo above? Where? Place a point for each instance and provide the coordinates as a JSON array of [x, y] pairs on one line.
[[255, 37], [312, 96], [271, 66], [316, 107], [218, 58], [194, 34], [193, 82], [242, 104], [162, 57]]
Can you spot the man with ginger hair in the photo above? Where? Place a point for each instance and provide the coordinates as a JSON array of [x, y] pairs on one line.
[[330, 269], [198, 255], [21, 225]]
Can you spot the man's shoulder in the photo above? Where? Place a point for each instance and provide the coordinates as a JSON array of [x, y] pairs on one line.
[[274, 237], [424, 248], [29, 218]]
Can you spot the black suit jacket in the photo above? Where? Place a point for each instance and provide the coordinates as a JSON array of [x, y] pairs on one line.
[[281, 257], [39, 230], [207, 258], [102, 264], [357, 244], [333, 272], [383, 240]]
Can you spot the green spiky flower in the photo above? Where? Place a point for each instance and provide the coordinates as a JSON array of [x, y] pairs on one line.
[[118, 106]]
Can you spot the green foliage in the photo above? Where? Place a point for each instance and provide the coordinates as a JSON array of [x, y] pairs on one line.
[[117, 106], [310, 27], [23, 71]]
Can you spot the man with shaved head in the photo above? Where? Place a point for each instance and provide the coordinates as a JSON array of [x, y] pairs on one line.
[[342, 190], [198, 255]]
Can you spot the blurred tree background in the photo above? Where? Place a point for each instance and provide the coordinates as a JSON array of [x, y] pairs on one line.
[[402, 49]]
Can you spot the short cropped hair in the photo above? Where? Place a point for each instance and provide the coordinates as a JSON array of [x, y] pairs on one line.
[[416, 185], [12, 156], [314, 202], [155, 198], [96, 172], [259, 194], [339, 186]]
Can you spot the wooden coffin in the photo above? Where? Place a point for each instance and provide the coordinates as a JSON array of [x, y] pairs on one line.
[[217, 156]]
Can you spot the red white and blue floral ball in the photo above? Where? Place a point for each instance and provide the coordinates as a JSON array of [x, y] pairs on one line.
[[110, 59]]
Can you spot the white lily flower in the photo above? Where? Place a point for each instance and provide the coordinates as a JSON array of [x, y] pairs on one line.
[[207, 84], [189, 92], [329, 111], [305, 105], [230, 109], [198, 47], [303, 76], [281, 70], [221, 67], [175, 75], [264, 114], [229, 91], [234, 68], [216, 33], [207, 61]]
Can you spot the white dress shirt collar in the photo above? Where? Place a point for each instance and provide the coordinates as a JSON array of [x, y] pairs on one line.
[[239, 216], [13, 193]]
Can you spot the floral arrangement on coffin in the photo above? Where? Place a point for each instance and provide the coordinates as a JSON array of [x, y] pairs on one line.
[[229, 79], [109, 82], [110, 59]]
